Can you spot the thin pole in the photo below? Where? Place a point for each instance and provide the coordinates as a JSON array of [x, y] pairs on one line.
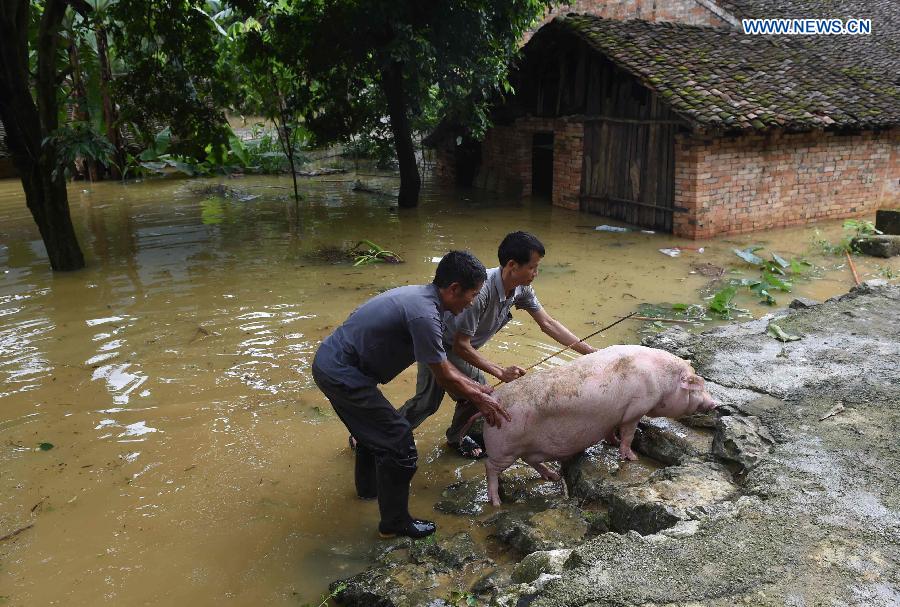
[[852, 268], [558, 352]]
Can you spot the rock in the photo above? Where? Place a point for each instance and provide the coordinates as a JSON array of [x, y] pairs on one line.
[[597, 473], [466, 498], [406, 584], [887, 221], [802, 303], [493, 582], [671, 495], [560, 527], [522, 484], [762, 406], [669, 441], [700, 420], [742, 439], [512, 596], [675, 340], [413, 572], [878, 245], [451, 553], [545, 561]]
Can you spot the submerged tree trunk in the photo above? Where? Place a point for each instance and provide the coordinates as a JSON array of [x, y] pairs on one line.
[[410, 183], [28, 125]]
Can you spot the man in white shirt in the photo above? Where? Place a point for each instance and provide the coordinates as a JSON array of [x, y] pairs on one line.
[[506, 286]]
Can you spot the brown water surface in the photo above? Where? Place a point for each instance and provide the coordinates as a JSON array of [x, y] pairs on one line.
[[193, 459]]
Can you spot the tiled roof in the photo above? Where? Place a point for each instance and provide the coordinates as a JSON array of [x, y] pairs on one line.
[[721, 78], [878, 51]]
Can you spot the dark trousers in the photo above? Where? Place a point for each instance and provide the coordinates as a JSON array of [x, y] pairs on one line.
[[385, 453], [372, 420], [429, 395]]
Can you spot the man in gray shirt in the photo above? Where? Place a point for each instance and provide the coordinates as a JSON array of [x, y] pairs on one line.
[[378, 340], [506, 286]]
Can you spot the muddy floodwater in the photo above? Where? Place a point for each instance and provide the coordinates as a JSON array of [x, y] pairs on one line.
[[161, 439]]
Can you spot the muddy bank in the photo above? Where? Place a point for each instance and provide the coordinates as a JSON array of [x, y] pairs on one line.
[[789, 495]]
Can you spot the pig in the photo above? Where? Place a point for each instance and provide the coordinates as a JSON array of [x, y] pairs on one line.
[[559, 412]]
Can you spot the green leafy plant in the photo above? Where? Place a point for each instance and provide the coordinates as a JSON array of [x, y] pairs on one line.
[[333, 594], [772, 273], [887, 272], [853, 229], [79, 140], [720, 304], [373, 254], [461, 598], [780, 334]]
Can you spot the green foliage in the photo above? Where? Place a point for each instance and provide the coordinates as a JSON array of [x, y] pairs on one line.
[[327, 597], [853, 228], [675, 311], [887, 272], [372, 254], [79, 140], [171, 74], [45, 446], [720, 304], [453, 57], [778, 333], [748, 255], [861, 227], [772, 273], [462, 598]]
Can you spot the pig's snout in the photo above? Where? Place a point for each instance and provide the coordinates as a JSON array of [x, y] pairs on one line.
[[708, 404]]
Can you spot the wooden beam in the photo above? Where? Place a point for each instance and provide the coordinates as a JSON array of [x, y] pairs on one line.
[[632, 202], [615, 120]]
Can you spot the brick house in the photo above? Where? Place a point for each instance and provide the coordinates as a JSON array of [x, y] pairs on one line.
[[665, 115]]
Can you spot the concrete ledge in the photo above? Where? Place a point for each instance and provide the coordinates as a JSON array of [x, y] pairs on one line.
[[878, 245]]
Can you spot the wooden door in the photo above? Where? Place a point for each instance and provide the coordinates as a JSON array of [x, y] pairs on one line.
[[629, 171]]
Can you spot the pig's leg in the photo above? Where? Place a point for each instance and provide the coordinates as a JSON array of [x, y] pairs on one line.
[[627, 430], [493, 468], [546, 473], [611, 437]]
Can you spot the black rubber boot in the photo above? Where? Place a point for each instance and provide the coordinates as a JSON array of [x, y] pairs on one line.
[[393, 502], [365, 473]]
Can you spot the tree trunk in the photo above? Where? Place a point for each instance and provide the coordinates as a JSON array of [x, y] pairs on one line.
[[410, 183], [110, 116], [27, 126]]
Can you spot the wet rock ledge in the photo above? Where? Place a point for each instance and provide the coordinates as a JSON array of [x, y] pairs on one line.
[[789, 494]]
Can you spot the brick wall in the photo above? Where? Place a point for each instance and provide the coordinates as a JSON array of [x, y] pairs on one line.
[[755, 182], [506, 158]]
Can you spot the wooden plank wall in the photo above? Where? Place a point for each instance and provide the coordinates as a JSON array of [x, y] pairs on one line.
[[629, 166]]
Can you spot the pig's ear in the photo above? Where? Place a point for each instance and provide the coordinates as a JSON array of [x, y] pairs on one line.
[[692, 381]]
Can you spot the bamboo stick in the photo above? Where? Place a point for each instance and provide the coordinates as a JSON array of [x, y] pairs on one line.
[[852, 268]]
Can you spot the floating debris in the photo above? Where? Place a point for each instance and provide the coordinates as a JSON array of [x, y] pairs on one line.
[[320, 172], [224, 191], [359, 186]]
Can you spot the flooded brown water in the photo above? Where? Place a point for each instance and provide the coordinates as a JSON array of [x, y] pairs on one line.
[[193, 460]]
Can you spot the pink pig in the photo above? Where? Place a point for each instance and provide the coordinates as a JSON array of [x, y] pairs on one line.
[[559, 412]]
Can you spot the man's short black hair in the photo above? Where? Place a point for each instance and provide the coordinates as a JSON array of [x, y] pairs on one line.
[[518, 246], [461, 267]]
